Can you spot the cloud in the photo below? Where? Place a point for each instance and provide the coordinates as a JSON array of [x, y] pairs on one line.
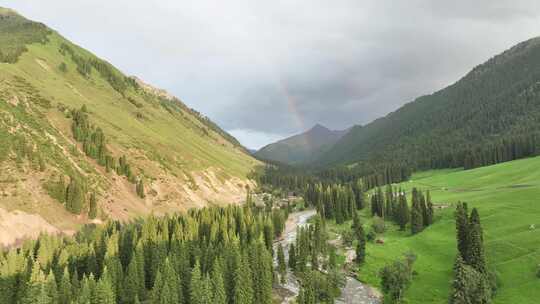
[[265, 69]]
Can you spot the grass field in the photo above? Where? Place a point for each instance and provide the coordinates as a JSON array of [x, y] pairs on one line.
[[508, 198]]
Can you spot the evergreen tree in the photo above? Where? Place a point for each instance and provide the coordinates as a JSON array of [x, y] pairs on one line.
[[425, 211], [459, 293], [243, 292], [74, 196], [292, 257], [361, 246], [430, 211], [282, 267], [477, 258], [51, 289], [87, 289], [218, 285], [92, 212], [403, 215], [104, 293], [307, 287], [166, 286], [65, 289], [35, 291], [462, 230], [132, 281], [417, 221], [197, 291], [139, 187]]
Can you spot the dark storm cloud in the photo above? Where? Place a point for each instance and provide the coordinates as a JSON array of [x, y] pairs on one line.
[[267, 69]]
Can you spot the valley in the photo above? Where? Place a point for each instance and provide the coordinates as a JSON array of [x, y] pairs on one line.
[[115, 191]]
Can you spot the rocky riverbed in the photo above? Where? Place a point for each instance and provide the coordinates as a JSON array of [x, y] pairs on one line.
[[354, 292]]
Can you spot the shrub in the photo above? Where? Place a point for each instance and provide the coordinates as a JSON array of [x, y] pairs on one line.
[[62, 67], [371, 235], [538, 272], [378, 225], [396, 278]]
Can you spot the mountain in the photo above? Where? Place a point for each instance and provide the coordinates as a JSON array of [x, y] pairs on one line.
[[301, 148], [77, 136], [490, 115]]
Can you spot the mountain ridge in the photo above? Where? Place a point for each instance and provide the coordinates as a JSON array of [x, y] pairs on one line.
[[469, 123], [301, 148]]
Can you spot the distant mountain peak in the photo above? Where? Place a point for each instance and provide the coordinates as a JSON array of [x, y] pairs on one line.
[[318, 126], [303, 147]]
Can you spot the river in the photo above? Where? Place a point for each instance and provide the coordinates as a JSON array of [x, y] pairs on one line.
[[354, 292]]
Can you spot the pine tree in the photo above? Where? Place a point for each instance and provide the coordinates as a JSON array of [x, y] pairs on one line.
[[74, 196], [87, 288], [243, 291], [430, 211], [417, 221], [132, 281], [196, 286], [92, 212], [476, 254], [51, 289], [424, 208], [292, 257], [460, 284], [139, 187], [361, 246], [403, 211], [207, 294], [308, 288], [35, 291], [166, 286], [264, 275], [218, 286], [282, 267], [462, 230], [103, 293], [65, 289]]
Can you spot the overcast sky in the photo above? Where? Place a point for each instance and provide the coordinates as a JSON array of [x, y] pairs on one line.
[[264, 70]]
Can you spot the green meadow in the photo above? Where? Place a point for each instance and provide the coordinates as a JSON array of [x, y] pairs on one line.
[[507, 196]]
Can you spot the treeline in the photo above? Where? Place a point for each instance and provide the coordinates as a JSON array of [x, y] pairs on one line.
[[335, 201], [84, 65], [94, 146], [487, 117], [507, 150], [473, 282], [211, 255], [75, 194], [15, 33], [287, 178], [393, 205]]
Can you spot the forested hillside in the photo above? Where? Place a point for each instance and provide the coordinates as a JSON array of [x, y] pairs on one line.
[[211, 255], [489, 116], [80, 140], [301, 148]]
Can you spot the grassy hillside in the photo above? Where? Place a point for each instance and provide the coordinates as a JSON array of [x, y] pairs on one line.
[[506, 196], [184, 159], [489, 116], [301, 148]]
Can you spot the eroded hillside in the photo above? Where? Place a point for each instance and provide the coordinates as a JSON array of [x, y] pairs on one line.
[[136, 149]]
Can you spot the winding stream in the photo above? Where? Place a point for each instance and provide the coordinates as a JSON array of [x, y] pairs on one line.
[[354, 292]]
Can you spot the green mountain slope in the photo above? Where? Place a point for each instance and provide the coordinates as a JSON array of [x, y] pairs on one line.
[[181, 158], [489, 116], [301, 148], [506, 198]]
